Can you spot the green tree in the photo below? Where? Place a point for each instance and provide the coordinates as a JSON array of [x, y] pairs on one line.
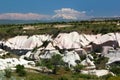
[[54, 63]]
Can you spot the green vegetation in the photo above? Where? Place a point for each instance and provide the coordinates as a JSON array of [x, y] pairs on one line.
[[63, 78], [106, 77], [62, 75], [8, 73], [88, 27], [115, 68], [78, 67], [59, 70], [114, 78], [53, 63], [101, 62], [20, 70], [85, 76]]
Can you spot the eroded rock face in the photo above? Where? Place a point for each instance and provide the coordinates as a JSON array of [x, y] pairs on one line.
[[25, 42], [75, 40], [71, 40], [71, 58], [67, 41], [12, 62]]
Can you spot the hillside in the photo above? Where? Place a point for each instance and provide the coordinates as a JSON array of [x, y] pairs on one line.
[[86, 27], [77, 50]]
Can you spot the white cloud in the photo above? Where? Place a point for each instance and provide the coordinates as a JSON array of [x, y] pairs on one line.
[[68, 13], [64, 13], [23, 16]]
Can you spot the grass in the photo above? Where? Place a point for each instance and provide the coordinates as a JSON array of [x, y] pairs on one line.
[[88, 27], [61, 75]]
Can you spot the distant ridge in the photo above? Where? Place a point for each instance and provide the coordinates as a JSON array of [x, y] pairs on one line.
[[105, 18], [54, 20], [31, 21], [19, 21]]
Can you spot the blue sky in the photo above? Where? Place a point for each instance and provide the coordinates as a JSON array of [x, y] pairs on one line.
[[48, 7]]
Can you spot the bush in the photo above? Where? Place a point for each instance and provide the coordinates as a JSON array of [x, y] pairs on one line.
[[67, 68], [20, 70], [22, 73], [101, 62], [38, 63], [115, 70], [2, 75], [78, 67], [53, 63], [83, 57], [8, 73]]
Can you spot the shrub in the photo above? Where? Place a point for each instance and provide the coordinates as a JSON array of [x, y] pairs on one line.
[[54, 63], [67, 68], [2, 75], [38, 63], [115, 70], [78, 67], [83, 57], [20, 70], [8, 73], [101, 62]]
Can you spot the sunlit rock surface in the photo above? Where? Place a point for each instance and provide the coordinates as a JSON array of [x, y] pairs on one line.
[[12, 62], [73, 42], [26, 42], [63, 40], [71, 58], [96, 72]]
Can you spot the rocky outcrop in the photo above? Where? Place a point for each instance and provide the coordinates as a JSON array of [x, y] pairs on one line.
[[12, 62], [71, 40], [26, 42], [63, 41], [71, 58]]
